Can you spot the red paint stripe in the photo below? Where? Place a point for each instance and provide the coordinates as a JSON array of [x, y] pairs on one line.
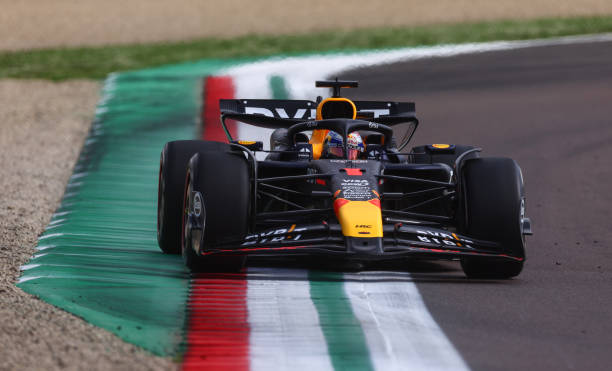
[[218, 330], [215, 88]]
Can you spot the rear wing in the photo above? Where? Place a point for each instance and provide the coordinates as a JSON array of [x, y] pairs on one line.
[[274, 114]]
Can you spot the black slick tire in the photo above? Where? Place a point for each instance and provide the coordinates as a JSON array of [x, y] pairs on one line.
[[172, 169], [222, 181], [491, 208]]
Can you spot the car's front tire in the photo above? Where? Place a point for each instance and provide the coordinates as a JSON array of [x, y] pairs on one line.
[[172, 167], [221, 181], [491, 208]]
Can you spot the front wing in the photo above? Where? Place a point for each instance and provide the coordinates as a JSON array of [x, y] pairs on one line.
[[400, 240]]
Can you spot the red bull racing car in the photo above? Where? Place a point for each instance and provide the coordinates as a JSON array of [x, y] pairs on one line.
[[336, 181]]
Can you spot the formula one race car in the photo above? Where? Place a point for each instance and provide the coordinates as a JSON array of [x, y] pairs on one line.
[[335, 182]]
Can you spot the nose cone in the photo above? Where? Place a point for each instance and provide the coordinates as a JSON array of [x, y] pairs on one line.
[[359, 218]]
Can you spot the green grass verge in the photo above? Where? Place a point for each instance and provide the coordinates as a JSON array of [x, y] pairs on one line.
[[97, 62]]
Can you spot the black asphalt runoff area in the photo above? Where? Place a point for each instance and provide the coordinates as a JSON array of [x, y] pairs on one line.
[[549, 108]]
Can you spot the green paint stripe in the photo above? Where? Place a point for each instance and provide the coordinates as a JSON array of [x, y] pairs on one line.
[[99, 257], [279, 88], [345, 339]]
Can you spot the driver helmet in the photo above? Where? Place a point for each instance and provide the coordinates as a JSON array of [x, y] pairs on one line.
[[333, 146], [354, 145]]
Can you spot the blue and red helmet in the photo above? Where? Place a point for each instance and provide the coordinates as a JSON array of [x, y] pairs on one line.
[[333, 146]]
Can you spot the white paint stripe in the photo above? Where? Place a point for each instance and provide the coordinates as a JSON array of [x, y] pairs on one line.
[[29, 278], [399, 331], [52, 235], [285, 331], [26, 267]]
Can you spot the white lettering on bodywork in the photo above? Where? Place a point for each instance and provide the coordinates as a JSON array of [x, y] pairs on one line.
[[298, 114], [377, 112], [258, 110], [279, 233]]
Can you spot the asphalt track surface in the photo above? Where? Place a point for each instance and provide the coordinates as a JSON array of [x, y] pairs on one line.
[[549, 108]]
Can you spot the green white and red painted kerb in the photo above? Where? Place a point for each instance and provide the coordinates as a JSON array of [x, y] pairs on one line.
[[98, 257]]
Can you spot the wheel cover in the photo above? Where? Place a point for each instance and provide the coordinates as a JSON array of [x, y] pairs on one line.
[[184, 212]]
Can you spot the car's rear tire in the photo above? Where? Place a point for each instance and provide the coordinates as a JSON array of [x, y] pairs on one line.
[[491, 208], [222, 179], [172, 168]]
